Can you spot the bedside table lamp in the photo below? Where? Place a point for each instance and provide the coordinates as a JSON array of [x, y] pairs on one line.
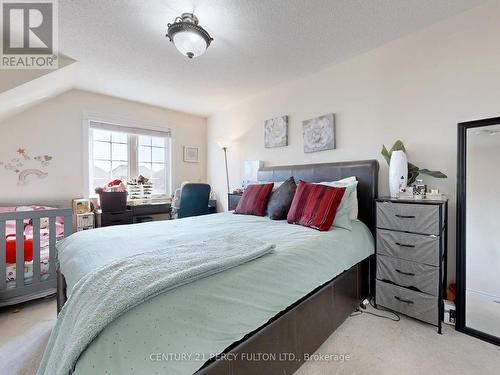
[[224, 145]]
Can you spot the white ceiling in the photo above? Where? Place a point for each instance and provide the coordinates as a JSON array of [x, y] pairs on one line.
[[121, 50]]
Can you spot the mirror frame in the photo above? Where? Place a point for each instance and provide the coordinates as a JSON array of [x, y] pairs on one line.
[[461, 229]]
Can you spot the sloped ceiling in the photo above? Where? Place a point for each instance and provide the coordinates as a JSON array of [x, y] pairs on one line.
[[121, 49], [14, 78]]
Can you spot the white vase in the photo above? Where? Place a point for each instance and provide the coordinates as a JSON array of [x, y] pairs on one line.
[[398, 172]]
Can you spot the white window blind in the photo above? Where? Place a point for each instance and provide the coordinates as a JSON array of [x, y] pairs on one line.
[[129, 129], [125, 152]]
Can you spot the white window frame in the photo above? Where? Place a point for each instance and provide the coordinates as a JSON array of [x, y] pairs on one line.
[[133, 130], [91, 154]]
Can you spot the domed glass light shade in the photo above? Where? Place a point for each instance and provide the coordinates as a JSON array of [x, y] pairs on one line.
[[188, 37]]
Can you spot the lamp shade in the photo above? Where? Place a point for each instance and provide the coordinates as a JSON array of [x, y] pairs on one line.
[[222, 143], [190, 43], [189, 38]]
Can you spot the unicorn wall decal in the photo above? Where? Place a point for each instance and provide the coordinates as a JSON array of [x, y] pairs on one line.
[[19, 166]]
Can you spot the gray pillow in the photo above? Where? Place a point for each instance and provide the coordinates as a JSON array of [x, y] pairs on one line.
[[281, 200]]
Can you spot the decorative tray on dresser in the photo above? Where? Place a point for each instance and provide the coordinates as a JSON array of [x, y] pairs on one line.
[[411, 257]]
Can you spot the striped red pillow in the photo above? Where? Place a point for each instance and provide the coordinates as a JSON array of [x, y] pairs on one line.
[[315, 205], [254, 200]]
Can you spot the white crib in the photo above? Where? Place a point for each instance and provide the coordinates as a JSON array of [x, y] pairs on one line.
[[36, 278]]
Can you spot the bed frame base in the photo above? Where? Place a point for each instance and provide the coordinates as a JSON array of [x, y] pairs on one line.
[[61, 290], [280, 346]]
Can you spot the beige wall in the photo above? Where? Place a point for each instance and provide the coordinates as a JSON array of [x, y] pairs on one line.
[[56, 127], [416, 88]]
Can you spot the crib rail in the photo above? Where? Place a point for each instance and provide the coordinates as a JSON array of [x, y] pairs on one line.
[[37, 287]]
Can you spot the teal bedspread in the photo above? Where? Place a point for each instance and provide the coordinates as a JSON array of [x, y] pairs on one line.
[[177, 331], [108, 292]]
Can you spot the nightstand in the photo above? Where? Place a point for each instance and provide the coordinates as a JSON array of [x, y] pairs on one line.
[[212, 206], [233, 200], [411, 257]]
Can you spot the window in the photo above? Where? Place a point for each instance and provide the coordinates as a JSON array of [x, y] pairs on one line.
[[152, 162], [110, 156], [119, 152]]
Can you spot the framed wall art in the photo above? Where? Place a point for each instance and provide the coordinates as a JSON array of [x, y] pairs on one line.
[[319, 133], [276, 132], [191, 154]]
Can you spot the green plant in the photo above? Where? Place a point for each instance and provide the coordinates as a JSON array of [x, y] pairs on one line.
[[413, 170]]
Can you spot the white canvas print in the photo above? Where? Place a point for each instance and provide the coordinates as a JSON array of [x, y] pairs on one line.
[[276, 132], [319, 133]]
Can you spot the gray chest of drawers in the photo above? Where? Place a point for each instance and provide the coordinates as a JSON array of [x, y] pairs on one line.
[[411, 257]]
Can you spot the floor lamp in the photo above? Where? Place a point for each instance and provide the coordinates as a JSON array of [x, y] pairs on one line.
[[224, 146]]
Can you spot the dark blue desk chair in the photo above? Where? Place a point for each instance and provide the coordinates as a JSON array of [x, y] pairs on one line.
[[194, 200]]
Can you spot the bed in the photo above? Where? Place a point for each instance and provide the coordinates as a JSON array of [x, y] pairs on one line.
[[264, 314], [33, 252]]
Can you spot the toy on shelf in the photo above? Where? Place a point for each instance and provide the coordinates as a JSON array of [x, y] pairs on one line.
[[140, 188], [113, 186], [83, 217]]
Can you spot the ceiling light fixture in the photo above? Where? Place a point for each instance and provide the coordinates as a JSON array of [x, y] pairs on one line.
[[188, 37]]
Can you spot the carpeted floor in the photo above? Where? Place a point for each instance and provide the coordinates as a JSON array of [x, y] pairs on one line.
[[24, 331], [364, 344]]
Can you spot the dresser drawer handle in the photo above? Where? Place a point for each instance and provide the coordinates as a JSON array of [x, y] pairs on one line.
[[405, 216], [405, 273], [403, 300], [404, 245]]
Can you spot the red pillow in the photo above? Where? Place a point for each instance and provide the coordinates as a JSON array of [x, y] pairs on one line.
[[254, 200], [315, 205]]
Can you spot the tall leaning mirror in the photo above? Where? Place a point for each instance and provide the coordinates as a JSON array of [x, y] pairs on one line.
[[478, 229]]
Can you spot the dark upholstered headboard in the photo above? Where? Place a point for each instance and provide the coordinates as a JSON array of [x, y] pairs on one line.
[[366, 172]]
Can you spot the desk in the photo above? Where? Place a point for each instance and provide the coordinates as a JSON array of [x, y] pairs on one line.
[[106, 219], [136, 212], [141, 212], [150, 211]]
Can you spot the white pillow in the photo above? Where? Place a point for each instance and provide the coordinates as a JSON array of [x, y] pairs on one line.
[[354, 197], [348, 181]]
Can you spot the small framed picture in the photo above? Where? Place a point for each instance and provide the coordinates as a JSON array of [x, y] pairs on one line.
[[191, 154], [81, 206]]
